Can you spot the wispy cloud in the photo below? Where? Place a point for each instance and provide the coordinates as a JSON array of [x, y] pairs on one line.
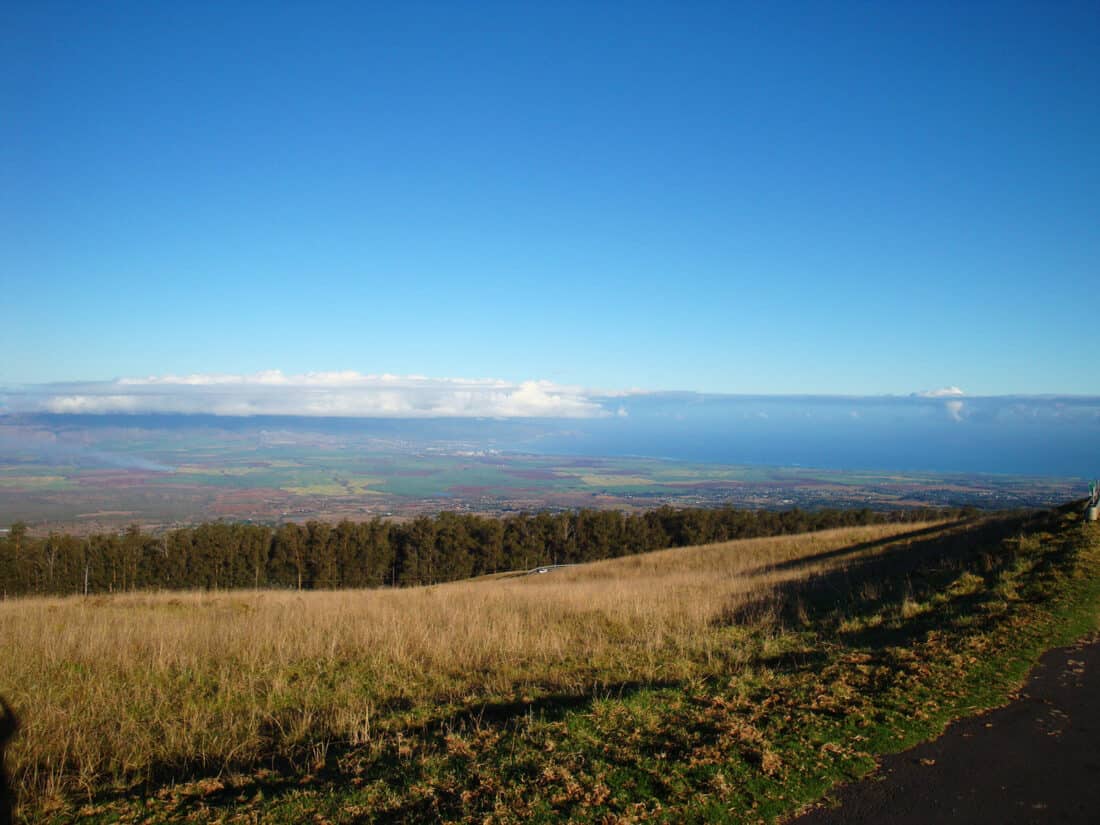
[[346, 393]]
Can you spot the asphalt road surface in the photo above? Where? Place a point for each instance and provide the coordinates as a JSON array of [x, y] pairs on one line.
[[1037, 760]]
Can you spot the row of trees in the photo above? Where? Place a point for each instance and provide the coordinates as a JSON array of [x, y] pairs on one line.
[[426, 550]]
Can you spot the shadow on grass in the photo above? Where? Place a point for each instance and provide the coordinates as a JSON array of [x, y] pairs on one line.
[[911, 567], [9, 725], [856, 549], [277, 775]]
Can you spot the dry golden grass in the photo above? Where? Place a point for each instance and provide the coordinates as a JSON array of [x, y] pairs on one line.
[[117, 689]]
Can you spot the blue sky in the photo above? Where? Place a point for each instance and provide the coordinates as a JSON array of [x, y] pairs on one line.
[[747, 198]]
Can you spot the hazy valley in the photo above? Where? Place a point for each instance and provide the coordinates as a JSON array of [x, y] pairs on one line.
[[87, 474]]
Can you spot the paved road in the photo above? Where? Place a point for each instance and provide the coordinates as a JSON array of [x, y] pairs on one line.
[[1036, 760]]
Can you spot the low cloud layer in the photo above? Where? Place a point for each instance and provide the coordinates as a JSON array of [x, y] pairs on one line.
[[332, 394], [943, 392], [356, 395]]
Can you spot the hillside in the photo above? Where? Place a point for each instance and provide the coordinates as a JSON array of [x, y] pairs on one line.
[[726, 681]]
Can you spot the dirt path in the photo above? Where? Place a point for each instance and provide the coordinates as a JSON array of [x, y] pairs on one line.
[[1035, 760]]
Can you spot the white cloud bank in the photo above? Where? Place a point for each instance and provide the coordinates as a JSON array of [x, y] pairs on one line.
[[943, 392], [338, 394]]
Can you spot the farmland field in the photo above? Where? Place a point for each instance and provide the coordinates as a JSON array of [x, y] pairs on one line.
[[726, 681], [83, 478]]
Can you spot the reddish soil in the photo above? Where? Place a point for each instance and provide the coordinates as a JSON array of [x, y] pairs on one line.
[[472, 490], [703, 485]]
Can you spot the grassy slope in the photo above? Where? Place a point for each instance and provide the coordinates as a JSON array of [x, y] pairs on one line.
[[876, 652]]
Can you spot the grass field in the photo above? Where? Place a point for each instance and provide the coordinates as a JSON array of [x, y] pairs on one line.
[[727, 682]]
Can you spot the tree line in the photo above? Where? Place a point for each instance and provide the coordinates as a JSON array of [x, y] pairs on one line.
[[424, 550]]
